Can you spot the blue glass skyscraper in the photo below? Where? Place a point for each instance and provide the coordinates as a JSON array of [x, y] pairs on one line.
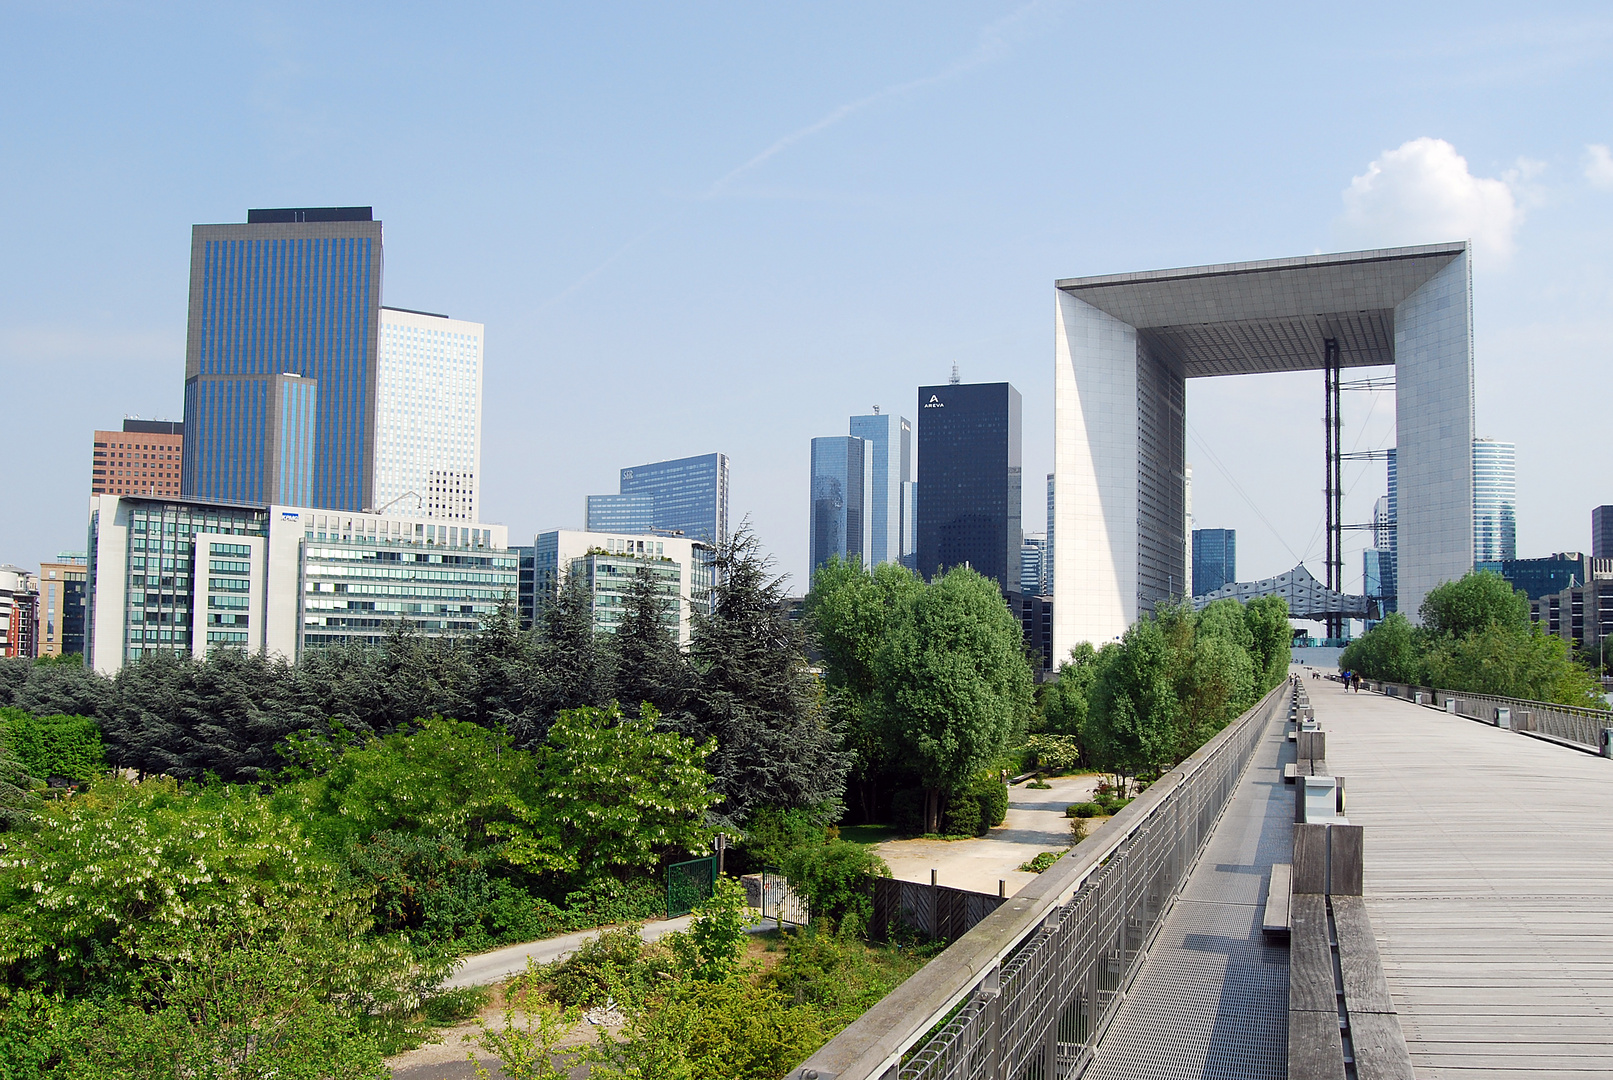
[[891, 444], [1215, 559], [842, 476], [280, 359], [691, 494], [969, 480]]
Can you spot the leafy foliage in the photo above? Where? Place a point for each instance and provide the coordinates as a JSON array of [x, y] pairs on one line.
[[834, 878], [710, 949], [47, 746]]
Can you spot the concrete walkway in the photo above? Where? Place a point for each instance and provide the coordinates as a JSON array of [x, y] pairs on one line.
[[1035, 823], [487, 968]]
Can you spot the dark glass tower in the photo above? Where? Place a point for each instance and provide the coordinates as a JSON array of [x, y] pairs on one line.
[[1215, 559], [280, 359], [969, 480]]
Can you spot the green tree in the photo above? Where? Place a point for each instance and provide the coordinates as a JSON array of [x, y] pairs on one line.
[[1511, 661], [1271, 637], [1472, 603], [712, 946], [755, 694], [851, 612], [833, 877], [1390, 651], [46, 746], [573, 660], [956, 682], [1064, 700], [615, 794], [1134, 706], [650, 667]]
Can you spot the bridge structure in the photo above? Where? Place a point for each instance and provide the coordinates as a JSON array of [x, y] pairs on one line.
[[1243, 919]]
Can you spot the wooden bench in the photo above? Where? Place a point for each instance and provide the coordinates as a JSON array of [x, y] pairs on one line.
[[1274, 924]]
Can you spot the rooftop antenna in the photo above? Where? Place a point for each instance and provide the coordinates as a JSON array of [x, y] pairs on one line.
[[954, 379], [876, 410]]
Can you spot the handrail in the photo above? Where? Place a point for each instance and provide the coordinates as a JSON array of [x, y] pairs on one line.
[[980, 964], [1562, 722]]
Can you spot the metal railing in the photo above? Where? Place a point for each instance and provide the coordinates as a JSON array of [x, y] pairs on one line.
[[1028, 992], [1569, 723]]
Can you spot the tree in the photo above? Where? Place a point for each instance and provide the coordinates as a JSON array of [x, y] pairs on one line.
[[574, 664], [649, 666], [956, 682], [1509, 661], [755, 695], [1271, 637], [1472, 603], [616, 795], [47, 746], [1134, 707], [1389, 651], [851, 612]]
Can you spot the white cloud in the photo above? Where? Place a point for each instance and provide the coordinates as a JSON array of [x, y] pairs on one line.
[[1599, 165], [1422, 192]]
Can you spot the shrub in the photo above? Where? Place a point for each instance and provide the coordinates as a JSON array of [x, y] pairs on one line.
[[771, 833], [47, 746], [1083, 810], [993, 796], [617, 965], [711, 948], [606, 900], [833, 878], [1078, 830], [1041, 862], [962, 816], [1055, 752]]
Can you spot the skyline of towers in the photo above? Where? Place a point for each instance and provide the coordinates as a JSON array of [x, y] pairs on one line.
[[969, 480], [890, 499]]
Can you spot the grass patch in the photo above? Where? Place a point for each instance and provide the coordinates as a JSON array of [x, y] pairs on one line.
[[868, 834]]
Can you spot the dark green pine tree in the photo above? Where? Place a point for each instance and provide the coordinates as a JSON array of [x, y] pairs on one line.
[[573, 665], [753, 692], [504, 688], [648, 664]]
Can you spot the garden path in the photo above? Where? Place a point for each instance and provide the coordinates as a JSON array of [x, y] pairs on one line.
[[1035, 823]]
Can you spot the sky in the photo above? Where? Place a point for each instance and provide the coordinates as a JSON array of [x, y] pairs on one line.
[[728, 227]]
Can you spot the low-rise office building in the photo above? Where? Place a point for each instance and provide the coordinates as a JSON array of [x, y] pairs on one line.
[[60, 622], [185, 576], [608, 563]]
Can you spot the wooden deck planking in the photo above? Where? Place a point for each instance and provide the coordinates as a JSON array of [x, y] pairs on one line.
[[1489, 884]]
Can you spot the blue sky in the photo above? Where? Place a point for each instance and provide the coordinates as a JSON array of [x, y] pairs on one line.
[[728, 227]]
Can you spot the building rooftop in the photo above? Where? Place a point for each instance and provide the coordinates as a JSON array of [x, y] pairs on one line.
[[291, 214]]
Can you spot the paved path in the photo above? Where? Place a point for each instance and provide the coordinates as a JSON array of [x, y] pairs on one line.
[[1035, 823], [487, 968], [1489, 880], [1210, 1001]]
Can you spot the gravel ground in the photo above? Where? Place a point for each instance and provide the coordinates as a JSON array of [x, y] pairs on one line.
[[1035, 823]]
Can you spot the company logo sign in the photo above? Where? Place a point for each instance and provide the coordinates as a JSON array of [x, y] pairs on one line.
[[934, 403]]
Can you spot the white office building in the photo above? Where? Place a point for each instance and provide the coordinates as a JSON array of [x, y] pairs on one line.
[[185, 576], [608, 562], [428, 416]]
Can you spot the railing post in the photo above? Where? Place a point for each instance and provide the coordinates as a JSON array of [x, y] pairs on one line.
[[991, 1018]]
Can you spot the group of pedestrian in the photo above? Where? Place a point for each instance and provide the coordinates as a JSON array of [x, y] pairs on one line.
[[1352, 681]]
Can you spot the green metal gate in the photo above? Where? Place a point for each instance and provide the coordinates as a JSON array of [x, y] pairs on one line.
[[689, 884]]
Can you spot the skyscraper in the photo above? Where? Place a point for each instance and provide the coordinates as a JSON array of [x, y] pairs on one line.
[[891, 442], [1047, 557], [840, 518], [1495, 501], [969, 480], [1033, 565], [428, 415], [280, 359], [1602, 532], [691, 494], [620, 513], [1215, 559], [1378, 567]]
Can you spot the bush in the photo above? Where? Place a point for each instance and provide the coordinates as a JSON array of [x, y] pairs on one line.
[[53, 746], [617, 965], [833, 878], [606, 900], [732, 1029], [1055, 752], [1083, 810], [1078, 830], [711, 948], [993, 796], [771, 833], [1041, 862], [962, 817]]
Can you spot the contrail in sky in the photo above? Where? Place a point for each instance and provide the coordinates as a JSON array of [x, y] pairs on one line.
[[993, 45]]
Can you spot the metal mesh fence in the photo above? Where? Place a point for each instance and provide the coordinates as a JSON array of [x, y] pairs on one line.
[[1040, 1010], [689, 884], [1566, 722]]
